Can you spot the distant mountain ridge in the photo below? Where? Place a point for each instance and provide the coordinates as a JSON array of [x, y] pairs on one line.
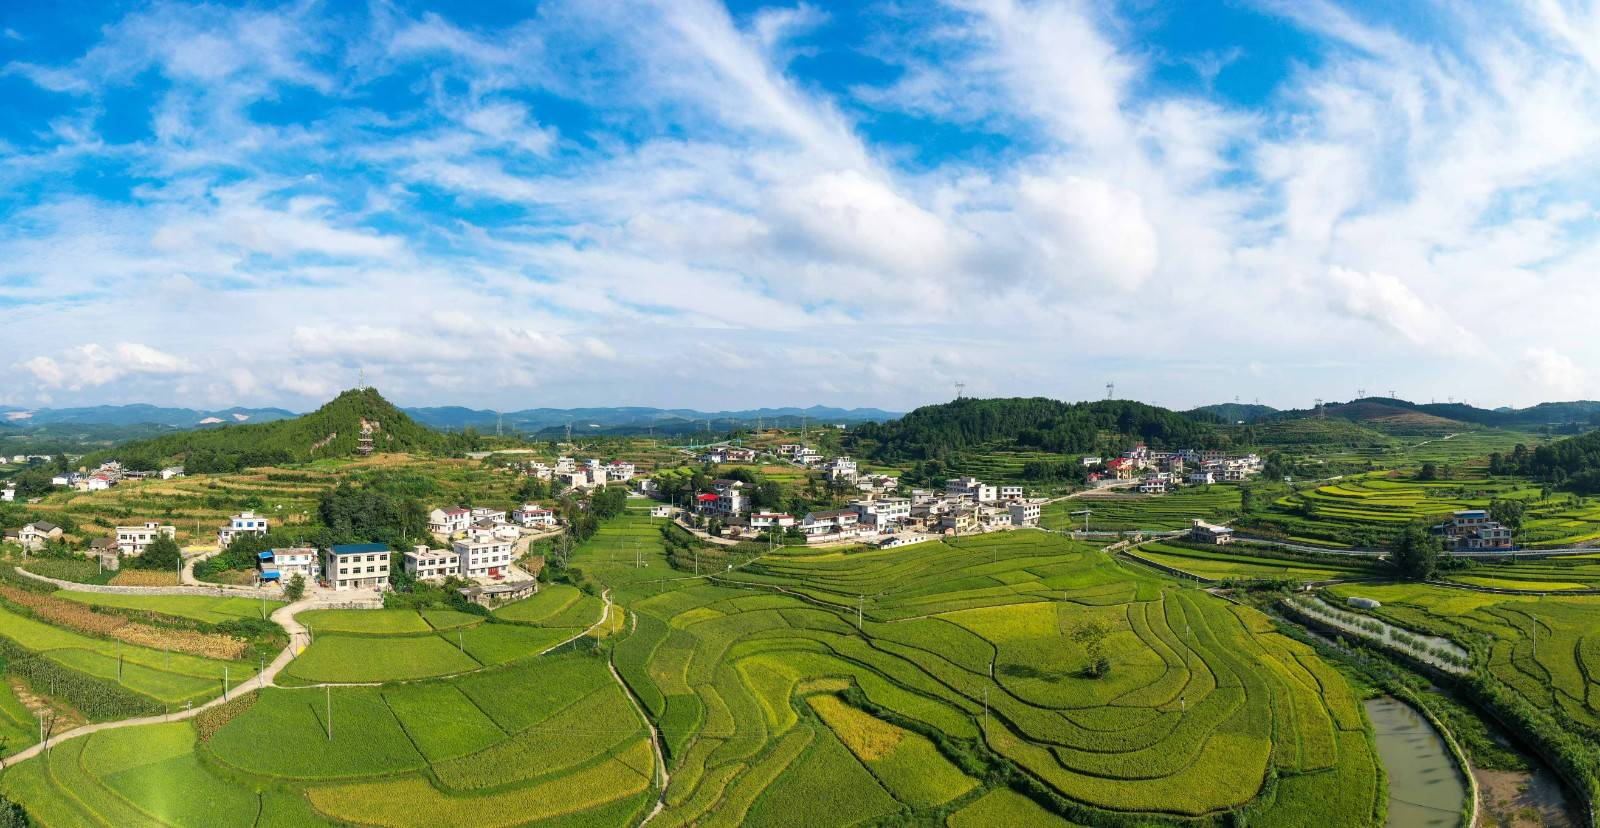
[[613, 419], [138, 414], [455, 418], [1394, 410]]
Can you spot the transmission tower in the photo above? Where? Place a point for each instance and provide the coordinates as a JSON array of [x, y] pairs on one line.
[[1111, 390], [1391, 395], [499, 423], [960, 386], [1319, 408], [1361, 393]]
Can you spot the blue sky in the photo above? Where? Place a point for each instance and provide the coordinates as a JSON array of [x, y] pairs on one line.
[[726, 205]]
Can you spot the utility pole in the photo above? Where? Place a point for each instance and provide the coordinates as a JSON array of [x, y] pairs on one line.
[[985, 712], [224, 682], [861, 603], [329, 718]]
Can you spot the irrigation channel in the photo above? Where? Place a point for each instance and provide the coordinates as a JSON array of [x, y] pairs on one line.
[[1425, 786]]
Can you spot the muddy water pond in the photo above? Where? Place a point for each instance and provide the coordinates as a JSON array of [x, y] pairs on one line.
[[1425, 786]]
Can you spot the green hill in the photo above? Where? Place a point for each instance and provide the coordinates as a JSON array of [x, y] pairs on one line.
[[1032, 423], [334, 430], [1236, 412], [1312, 431]]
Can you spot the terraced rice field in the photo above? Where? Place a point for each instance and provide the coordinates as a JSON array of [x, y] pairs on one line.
[[167, 678], [1237, 562], [1132, 512], [549, 743], [196, 607], [358, 646], [1379, 505], [777, 708], [1545, 649]]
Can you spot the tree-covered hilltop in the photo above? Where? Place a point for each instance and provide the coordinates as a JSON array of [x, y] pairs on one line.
[[1572, 463], [934, 431], [331, 431]]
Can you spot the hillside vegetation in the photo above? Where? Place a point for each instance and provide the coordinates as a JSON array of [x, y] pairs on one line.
[[331, 431], [937, 431]]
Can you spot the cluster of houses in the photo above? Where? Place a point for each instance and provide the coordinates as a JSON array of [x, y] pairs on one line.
[[965, 505], [727, 454], [590, 474], [1472, 530], [483, 522], [108, 474], [1159, 472]]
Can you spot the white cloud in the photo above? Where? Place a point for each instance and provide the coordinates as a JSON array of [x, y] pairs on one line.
[[1390, 304], [1554, 373], [92, 365]]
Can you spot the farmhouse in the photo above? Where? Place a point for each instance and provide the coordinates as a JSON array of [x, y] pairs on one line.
[[9, 493], [531, 515], [841, 469], [356, 566], [1155, 483], [494, 595], [495, 516], [1473, 530], [619, 471], [244, 523], [171, 471], [131, 540], [485, 558], [734, 454], [769, 520], [447, 522], [426, 564], [884, 511], [1202, 477], [35, 535], [824, 526], [1203, 532], [1010, 492], [283, 564], [971, 488], [661, 511], [964, 519], [1026, 512]]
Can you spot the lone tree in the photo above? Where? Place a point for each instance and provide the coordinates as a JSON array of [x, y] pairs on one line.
[[160, 554], [1092, 635], [1416, 553], [295, 588]]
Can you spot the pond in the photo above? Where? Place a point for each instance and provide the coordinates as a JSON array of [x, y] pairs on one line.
[[1425, 785]]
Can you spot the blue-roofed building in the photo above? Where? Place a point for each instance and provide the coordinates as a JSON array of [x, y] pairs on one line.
[[356, 566], [285, 563]]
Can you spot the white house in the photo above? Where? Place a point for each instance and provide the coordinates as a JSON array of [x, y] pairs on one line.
[[770, 520], [447, 522], [1010, 492], [1092, 461], [356, 566], [1026, 512], [9, 493], [244, 523], [661, 511], [426, 564], [735, 454], [964, 519], [171, 471], [532, 515], [283, 564], [483, 558], [971, 487], [132, 540], [835, 523], [481, 514], [94, 483], [841, 469], [619, 471], [1155, 483], [1202, 477], [883, 512], [35, 535], [68, 479]]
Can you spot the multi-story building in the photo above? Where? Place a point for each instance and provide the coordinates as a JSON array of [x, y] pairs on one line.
[[1010, 492], [1155, 483], [356, 566], [9, 493], [244, 523], [1203, 532], [1026, 512], [481, 514], [1202, 477], [283, 564], [533, 515], [132, 540], [1474, 530], [734, 454], [883, 512], [619, 471], [447, 522], [484, 558], [426, 564], [971, 488], [963, 519], [841, 469], [771, 520], [837, 522]]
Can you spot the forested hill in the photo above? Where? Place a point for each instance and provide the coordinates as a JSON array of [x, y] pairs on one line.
[[1236, 412], [935, 431], [1572, 463], [331, 431]]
